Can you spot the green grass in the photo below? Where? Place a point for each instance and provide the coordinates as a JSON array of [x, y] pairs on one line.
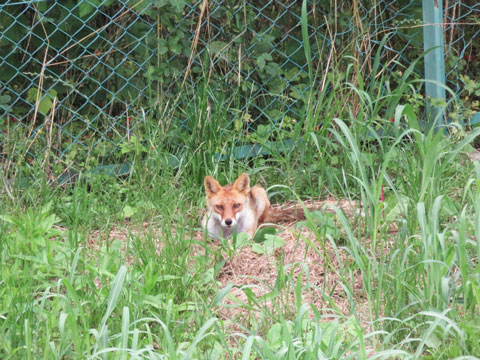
[[115, 268]]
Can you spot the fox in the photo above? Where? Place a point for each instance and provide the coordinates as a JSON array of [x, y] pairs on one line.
[[239, 206]]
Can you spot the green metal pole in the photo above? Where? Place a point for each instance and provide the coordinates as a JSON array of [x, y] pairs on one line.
[[434, 59]]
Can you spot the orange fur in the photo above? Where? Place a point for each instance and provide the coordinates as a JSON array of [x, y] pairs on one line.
[[238, 205]]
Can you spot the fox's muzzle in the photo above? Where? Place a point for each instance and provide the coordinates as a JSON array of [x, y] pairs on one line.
[[228, 223]]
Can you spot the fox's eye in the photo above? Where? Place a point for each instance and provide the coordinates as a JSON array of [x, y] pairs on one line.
[[219, 207], [237, 205]]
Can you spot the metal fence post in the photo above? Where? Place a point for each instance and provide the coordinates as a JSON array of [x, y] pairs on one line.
[[435, 58]]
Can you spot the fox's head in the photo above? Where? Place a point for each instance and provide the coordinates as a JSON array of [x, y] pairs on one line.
[[225, 203]]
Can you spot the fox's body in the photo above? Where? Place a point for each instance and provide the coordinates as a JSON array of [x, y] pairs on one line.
[[237, 205]]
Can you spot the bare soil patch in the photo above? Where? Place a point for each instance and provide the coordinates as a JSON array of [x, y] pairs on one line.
[[304, 258], [313, 262]]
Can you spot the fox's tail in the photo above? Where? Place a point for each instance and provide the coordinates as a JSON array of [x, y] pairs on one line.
[[278, 216]]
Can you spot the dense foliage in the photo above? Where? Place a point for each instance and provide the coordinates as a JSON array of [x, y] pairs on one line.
[[108, 63], [116, 267]]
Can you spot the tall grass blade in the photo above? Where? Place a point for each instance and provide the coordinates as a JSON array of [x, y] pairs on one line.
[[440, 320], [114, 295], [306, 40], [247, 348], [201, 334], [124, 334]]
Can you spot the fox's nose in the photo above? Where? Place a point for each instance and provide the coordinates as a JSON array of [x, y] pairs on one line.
[[228, 222]]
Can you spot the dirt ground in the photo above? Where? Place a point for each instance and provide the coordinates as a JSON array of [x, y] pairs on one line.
[[316, 261]]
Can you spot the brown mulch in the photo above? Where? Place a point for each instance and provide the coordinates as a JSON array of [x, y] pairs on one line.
[[316, 261]]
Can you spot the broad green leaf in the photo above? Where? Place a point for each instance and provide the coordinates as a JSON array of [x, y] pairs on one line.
[[85, 7], [129, 211], [5, 99], [260, 235], [261, 62], [271, 243]]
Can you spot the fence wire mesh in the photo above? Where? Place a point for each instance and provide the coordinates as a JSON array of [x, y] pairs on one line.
[[71, 73], [84, 74]]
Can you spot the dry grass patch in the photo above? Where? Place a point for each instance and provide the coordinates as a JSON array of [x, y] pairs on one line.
[[304, 258]]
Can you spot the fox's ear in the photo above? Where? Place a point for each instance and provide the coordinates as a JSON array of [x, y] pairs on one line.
[[211, 186], [242, 184]]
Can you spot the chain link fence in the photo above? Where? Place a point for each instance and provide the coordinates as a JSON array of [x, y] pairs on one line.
[[72, 74], [84, 74]]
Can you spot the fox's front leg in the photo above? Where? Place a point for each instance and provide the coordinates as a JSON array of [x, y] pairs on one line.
[[251, 232]]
